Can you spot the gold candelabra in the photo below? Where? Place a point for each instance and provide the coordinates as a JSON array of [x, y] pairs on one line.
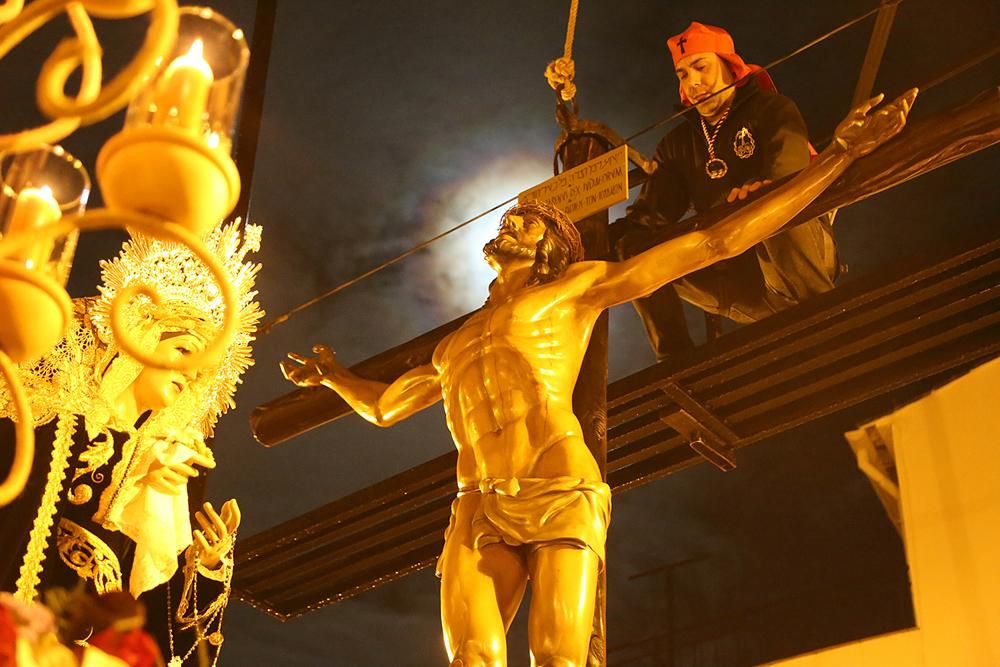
[[167, 174]]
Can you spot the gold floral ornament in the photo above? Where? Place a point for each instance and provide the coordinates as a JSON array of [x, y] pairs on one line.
[[88, 554]]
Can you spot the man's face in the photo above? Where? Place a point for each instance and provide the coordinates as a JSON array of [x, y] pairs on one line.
[[701, 75], [517, 239], [156, 389]]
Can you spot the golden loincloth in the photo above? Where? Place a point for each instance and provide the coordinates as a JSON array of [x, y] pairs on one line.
[[537, 512]]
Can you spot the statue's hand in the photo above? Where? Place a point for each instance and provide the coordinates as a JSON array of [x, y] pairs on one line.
[[311, 371], [171, 479], [859, 134], [218, 530]]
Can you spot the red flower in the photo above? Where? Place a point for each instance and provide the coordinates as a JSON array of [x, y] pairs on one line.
[[8, 639], [135, 647]]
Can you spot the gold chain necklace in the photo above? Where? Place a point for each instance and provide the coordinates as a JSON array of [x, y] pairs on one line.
[[200, 620], [716, 167]]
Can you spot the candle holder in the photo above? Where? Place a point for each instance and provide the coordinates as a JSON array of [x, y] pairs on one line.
[[172, 158], [37, 188]]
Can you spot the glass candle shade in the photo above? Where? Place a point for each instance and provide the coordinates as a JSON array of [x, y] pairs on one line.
[[37, 188], [197, 89]]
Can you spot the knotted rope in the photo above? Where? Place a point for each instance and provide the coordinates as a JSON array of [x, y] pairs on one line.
[[560, 72]]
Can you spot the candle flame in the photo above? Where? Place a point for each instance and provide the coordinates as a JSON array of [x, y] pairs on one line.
[[197, 49], [46, 192]]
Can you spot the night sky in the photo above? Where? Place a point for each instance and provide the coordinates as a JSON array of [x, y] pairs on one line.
[[385, 123]]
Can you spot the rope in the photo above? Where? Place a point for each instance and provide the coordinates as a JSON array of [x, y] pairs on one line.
[[266, 328], [560, 72], [574, 5]]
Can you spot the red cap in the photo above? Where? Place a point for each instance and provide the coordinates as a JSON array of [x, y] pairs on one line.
[[701, 38]]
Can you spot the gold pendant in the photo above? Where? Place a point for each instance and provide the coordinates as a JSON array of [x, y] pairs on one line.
[[743, 144], [716, 168]]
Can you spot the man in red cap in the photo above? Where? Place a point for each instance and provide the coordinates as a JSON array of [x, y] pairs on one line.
[[735, 140]]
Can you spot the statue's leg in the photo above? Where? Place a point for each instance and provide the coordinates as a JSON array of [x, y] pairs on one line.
[[480, 593], [563, 585]]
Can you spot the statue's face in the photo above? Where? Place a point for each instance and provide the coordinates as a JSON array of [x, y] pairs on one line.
[[702, 74], [156, 389], [517, 239]]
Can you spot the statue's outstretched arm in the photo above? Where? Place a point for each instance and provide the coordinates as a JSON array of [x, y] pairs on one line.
[[380, 403], [858, 135]]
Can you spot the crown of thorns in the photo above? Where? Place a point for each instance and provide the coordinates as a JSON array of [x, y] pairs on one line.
[[562, 222]]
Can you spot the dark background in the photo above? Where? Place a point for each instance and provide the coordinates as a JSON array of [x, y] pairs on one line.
[[385, 123]]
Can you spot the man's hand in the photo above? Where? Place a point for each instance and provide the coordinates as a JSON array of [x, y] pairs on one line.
[[311, 371], [743, 192], [859, 134], [218, 530], [171, 479]]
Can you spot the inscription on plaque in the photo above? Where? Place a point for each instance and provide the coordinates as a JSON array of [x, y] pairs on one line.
[[586, 189]]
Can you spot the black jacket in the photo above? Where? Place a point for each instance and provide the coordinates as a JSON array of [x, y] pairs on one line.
[[780, 147]]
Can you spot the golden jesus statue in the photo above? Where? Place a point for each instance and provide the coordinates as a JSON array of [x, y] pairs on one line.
[[531, 502]]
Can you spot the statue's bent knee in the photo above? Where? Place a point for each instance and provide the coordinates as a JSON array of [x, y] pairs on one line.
[[559, 661], [475, 654]]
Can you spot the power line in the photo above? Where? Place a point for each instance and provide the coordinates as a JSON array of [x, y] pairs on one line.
[[266, 328]]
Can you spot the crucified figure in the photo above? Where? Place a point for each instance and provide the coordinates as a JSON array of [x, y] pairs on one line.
[[531, 502]]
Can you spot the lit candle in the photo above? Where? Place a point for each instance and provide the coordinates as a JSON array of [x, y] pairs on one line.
[[34, 208], [183, 90]]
